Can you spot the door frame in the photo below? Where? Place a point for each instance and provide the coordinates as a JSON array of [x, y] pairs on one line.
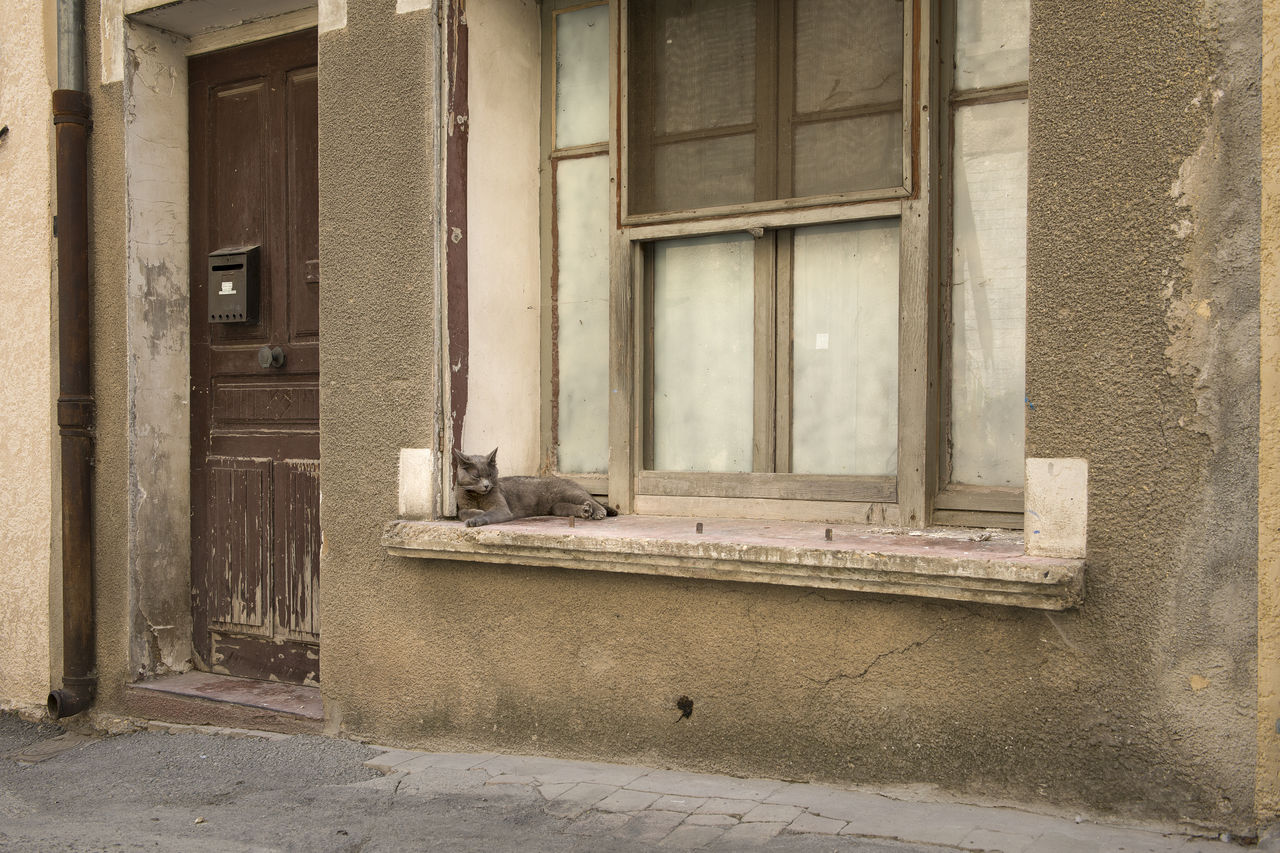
[[153, 323]]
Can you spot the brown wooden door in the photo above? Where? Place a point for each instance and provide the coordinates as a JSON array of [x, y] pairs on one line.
[[255, 440]]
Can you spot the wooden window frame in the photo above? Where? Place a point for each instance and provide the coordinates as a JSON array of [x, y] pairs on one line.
[[919, 495], [896, 500]]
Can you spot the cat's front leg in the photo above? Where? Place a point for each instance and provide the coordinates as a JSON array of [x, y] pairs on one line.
[[472, 512], [493, 516]]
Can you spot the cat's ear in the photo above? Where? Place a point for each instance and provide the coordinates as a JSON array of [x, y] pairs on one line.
[[493, 457], [461, 459]]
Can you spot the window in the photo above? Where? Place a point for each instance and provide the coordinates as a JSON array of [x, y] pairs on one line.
[[785, 277]]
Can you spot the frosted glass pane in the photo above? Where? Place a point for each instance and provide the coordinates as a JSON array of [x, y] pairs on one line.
[[847, 155], [988, 294], [703, 354], [582, 76], [582, 306], [845, 349], [848, 53], [992, 42]]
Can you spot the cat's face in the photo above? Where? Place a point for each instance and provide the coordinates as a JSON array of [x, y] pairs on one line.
[[477, 474]]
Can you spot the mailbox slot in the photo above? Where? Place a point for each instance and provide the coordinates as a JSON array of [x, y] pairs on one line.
[[233, 285]]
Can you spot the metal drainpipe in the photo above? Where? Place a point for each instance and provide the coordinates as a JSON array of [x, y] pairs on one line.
[[75, 397]]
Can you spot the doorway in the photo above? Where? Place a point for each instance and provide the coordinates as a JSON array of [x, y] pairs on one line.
[[255, 439]]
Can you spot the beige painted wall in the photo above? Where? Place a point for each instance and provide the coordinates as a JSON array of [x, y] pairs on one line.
[[1269, 432], [27, 426], [504, 301]]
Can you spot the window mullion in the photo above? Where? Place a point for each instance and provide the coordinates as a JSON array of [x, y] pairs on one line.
[[763, 433], [783, 351], [917, 305]]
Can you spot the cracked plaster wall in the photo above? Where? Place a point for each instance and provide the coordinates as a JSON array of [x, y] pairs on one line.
[[27, 357]]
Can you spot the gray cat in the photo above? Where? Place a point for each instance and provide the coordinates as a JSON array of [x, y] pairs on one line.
[[484, 498]]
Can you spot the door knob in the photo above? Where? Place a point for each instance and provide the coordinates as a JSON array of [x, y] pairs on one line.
[[271, 357]]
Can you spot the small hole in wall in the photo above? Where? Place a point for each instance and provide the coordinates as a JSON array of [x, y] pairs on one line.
[[685, 704]]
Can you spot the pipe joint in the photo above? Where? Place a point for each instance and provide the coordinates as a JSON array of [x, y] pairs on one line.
[[76, 695]]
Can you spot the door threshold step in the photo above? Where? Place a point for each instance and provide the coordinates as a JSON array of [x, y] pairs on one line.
[[228, 700]]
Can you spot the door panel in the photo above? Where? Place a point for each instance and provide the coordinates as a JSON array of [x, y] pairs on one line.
[[255, 430], [239, 555], [298, 569]]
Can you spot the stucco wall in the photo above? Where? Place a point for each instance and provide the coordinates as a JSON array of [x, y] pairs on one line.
[[1143, 217], [378, 260], [1142, 356], [1269, 431], [108, 280], [27, 77]]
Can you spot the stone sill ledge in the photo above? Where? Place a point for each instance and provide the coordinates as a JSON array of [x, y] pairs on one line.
[[938, 563]]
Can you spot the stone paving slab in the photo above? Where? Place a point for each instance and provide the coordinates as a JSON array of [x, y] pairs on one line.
[[704, 785], [678, 810]]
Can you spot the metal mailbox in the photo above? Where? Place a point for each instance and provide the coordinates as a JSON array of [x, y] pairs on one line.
[[233, 285]]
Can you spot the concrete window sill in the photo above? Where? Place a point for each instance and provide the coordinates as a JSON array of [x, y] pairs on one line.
[[938, 563]]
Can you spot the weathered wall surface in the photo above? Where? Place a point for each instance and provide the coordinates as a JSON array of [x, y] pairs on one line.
[[159, 367], [1269, 431], [1143, 353], [1142, 356], [28, 75], [377, 255]]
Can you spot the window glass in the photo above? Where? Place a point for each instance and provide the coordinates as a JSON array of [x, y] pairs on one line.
[[582, 313], [582, 76], [703, 350], [845, 349], [846, 155], [848, 54], [848, 96], [988, 294], [704, 173], [992, 42]]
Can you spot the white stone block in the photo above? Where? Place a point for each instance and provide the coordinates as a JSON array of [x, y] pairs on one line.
[[1057, 507], [419, 483]]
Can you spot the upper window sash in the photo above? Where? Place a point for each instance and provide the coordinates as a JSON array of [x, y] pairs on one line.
[[798, 135]]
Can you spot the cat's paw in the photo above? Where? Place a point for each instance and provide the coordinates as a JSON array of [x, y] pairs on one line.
[[584, 511], [594, 511], [474, 521]]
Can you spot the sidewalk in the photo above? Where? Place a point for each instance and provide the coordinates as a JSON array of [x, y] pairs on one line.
[[687, 811], [199, 789]]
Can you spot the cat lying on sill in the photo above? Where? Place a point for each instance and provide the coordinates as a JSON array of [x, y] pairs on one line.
[[485, 498]]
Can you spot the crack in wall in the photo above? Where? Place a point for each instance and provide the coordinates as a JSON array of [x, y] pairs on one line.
[[844, 676]]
